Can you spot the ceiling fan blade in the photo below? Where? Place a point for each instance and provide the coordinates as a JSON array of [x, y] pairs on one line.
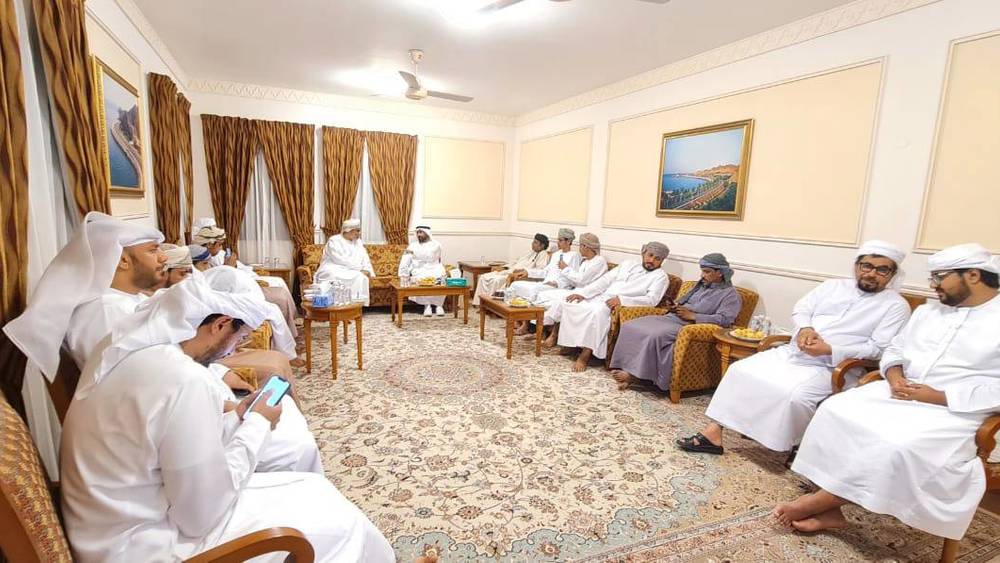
[[447, 96], [498, 5], [410, 79]]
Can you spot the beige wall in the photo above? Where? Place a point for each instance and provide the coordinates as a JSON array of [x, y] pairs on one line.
[[963, 196], [463, 178], [811, 142], [555, 178], [106, 48]]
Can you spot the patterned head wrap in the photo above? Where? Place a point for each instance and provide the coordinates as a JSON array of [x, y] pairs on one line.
[[717, 261], [567, 234], [658, 249], [591, 241]]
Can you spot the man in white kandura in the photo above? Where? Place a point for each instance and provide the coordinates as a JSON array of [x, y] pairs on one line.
[[591, 267], [528, 283], [771, 396], [186, 481], [906, 446], [422, 259], [179, 264], [495, 281], [586, 315], [346, 260]]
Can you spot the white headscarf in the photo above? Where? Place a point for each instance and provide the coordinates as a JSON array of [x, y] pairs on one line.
[[178, 256], [233, 280], [962, 256], [350, 225], [890, 251], [202, 222], [81, 272], [170, 316]]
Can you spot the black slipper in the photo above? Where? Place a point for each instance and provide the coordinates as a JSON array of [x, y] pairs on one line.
[[704, 445]]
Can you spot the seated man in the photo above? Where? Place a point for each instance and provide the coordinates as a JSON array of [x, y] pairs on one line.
[[906, 446], [592, 266], [201, 257], [771, 396], [185, 482], [346, 261], [548, 277], [645, 348], [179, 265], [586, 315], [495, 281], [422, 259]]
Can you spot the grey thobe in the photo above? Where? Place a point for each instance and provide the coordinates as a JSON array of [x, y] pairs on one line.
[[645, 347]]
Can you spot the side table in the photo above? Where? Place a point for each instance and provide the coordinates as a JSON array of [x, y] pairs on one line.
[[334, 316], [732, 349], [476, 269]]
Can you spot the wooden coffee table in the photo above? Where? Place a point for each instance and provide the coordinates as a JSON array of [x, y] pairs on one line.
[[476, 269], [511, 314], [334, 316], [732, 349], [404, 292]]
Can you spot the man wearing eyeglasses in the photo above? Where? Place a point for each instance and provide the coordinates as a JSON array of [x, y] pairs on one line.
[[906, 446], [771, 397]]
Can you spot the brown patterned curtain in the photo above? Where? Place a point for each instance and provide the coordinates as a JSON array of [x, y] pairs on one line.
[[164, 134], [392, 160], [184, 144], [342, 152], [231, 145], [72, 95], [288, 153], [13, 202]]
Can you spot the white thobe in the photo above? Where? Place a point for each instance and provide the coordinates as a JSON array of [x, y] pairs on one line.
[[913, 460], [95, 319], [549, 275], [586, 273], [423, 260], [219, 259], [585, 324], [151, 472], [492, 282], [771, 396], [292, 446], [344, 261]]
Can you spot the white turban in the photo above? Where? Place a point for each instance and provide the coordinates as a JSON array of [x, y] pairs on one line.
[[233, 280], [170, 316], [890, 251], [350, 225], [81, 272], [202, 222], [962, 256], [178, 256]]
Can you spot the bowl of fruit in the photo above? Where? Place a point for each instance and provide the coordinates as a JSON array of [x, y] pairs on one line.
[[747, 334], [520, 302], [426, 282]]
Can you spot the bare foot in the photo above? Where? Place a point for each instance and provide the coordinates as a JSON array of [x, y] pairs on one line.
[[582, 360], [829, 520], [522, 330], [799, 509], [624, 379], [579, 366], [297, 362], [549, 342]]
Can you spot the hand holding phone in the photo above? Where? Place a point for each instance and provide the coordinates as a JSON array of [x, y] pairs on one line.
[[267, 402]]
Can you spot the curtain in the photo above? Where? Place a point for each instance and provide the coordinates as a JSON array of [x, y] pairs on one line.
[[392, 159], [165, 132], [288, 153], [365, 208], [183, 107], [63, 46], [342, 153], [231, 145], [265, 237], [13, 202]]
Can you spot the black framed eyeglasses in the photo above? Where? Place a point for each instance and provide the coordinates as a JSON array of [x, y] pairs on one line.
[[868, 267], [937, 277]]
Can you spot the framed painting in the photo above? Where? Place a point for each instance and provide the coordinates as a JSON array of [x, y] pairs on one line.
[[121, 141], [703, 172]]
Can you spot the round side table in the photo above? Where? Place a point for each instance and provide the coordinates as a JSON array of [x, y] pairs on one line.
[[732, 349], [334, 316]]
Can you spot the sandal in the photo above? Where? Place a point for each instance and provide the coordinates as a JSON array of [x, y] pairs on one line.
[[699, 444]]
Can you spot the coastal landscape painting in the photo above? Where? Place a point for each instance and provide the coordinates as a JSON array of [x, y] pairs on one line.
[[121, 141], [703, 171]]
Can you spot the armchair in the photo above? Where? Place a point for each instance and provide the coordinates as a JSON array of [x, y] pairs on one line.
[[385, 261], [986, 442], [696, 363], [617, 318], [33, 532]]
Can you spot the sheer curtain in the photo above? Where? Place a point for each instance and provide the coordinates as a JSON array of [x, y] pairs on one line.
[[364, 206], [265, 235]]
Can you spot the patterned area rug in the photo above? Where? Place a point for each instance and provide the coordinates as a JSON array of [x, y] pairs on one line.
[[453, 450]]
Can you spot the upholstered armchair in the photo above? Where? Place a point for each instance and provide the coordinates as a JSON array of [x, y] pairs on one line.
[[673, 286], [32, 532], [986, 442], [696, 362], [385, 261], [259, 339]]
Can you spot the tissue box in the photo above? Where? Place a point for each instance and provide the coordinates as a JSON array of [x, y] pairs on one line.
[[321, 301], [457, 282]]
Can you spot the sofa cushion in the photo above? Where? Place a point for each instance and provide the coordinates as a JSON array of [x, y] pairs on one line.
[[311, 255], [385, 258]]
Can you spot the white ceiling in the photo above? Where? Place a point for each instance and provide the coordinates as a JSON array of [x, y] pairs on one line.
[[528, 56]]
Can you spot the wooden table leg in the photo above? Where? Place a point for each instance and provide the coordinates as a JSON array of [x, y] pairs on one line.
[[358, 321], [482, 322], [538, 334], [333, 345], [399, 310], [465, 307], [724, 352], [510, 336], [345, 331], [307, 323]]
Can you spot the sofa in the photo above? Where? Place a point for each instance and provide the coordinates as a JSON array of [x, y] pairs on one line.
[[385, 261]]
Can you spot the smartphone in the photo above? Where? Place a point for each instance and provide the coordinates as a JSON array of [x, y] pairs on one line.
[[229, 252], [278, 386]]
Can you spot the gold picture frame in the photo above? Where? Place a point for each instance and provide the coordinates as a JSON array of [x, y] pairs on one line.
[[697, 176], [121, 140]]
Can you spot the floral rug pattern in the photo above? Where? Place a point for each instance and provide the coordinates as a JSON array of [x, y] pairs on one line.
[[451, 449]]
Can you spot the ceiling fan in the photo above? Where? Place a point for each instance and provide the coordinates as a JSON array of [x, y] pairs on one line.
[[415, 91], [501, 4]]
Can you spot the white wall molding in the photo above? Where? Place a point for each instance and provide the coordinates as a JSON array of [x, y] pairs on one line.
[[837, 19], [255, 91], [138, 19]]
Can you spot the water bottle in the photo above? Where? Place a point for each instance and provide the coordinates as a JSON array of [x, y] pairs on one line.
[[755, 323], [766, 326]]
